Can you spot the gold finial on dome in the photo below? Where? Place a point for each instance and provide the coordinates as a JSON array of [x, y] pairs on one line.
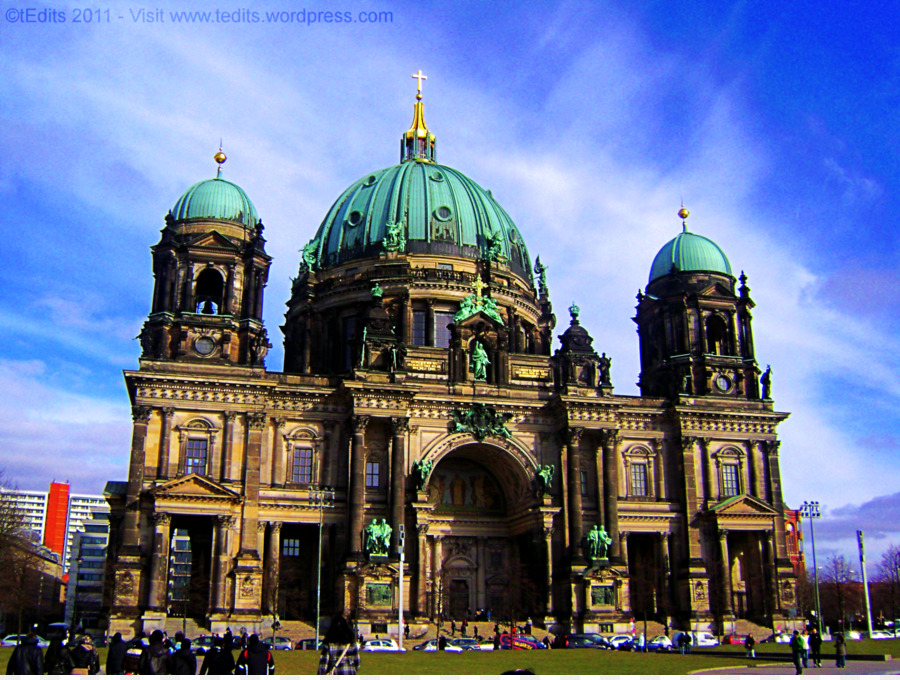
[[417, 143], [683, 214], [220, 158]]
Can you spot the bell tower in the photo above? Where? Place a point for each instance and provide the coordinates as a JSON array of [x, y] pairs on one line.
[[210, 270], [694, 327]]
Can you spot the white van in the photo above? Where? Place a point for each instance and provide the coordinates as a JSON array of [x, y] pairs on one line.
[[704, 639]]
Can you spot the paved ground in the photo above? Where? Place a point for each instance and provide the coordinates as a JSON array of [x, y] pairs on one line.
[[780, 668]]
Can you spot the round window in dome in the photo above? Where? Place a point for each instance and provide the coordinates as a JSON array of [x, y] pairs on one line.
[[443, 213], [437, 176], [355, 218], [204, 345], [370, 180]]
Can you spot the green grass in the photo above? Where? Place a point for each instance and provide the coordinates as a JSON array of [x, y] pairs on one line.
[[549, 662]]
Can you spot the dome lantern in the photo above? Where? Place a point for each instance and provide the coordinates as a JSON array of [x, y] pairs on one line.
[[417, 143]]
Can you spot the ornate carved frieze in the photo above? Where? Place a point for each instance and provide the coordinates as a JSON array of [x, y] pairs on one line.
[[480, 421]]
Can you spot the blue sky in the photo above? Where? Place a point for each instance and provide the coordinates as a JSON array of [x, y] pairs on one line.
[[777, 124]]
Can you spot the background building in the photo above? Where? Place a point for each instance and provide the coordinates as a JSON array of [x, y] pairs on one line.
[[84, 590], [421, 384]]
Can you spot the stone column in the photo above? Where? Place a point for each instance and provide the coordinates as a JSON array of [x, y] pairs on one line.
[[256, 422], [422, 577], [663, 600], [228, 302], [610, 439], [165, 437], [480, 587], [708, 486], [437, 573], [548, 544], [753, 467], [156, 595], [772, 573], [188, 289], [575, 510], [399, 427], [273, 565], [623, 547], [777, 501], [131, 531], [225, 524], [227, 445], [278, 454], [726, 570], [660, 476], [357, 483]]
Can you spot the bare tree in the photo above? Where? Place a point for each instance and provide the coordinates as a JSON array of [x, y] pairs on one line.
[[840, 594], [886, 595]]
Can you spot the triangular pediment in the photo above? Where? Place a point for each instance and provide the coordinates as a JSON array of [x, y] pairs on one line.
[[195, 486], [477, 317], [213, 239], [716, 289], [742, 505]]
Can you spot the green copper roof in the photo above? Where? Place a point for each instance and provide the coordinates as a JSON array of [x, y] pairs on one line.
[[689, 252], [417, 207], [216, 199]]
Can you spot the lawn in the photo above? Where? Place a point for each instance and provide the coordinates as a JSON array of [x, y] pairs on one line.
[[550, 662]]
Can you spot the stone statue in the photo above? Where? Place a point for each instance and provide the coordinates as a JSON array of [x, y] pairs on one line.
[[495, 247], [541, 271], [378, 538], [422, 469], [467, 308], [309, 254], [377, 291], [598, 541], [489, 306], [394, 239], [479, 362], [605, 363], [545, 477], [766, 381]]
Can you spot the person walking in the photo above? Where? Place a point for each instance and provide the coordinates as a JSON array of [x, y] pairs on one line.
[[749, 645], [155, 657], [184, 661], [804, 653], [256, 659], [57, 661], [85, 659], [340, 653], [797, 652], [27, 658], [115, 659], [815, 647], [840, 650]]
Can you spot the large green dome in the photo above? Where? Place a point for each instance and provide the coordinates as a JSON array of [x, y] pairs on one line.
[[417, 207], [216, 199], [689, 252]]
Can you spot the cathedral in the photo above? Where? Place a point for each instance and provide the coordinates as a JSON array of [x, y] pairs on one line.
[[428, 445]]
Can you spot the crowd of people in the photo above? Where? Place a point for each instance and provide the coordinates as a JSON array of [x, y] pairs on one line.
[[806, 646]]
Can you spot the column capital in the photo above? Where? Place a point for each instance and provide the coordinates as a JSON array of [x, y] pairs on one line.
[[168, 411], [256, 420], [161, 519], [572, 435], [723, 534], [141, 414], [548, 533], [359, 424], [276, 526], [422, 529], [226, 521], [688, 442], [280, 422], [399, 425], [261, 526], [228, 416], [609, 436], [772, 446]]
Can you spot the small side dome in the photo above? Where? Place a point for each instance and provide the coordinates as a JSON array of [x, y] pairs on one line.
[[689, 252], [216, 199]]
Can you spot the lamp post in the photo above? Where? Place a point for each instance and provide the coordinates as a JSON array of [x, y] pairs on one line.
[[320, 497], [810, 509], [865, 579]]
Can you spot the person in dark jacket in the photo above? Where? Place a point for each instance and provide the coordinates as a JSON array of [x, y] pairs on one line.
[[57, 660], [256, 659], [840, 650], [339, 651], [116, 657], [183, 661], [155, 657], [815, 647], [27, 658], [84, 656], [211, 657]]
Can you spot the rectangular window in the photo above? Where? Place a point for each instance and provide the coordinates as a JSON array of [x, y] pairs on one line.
[[195, 463], [731, 480], [445, 266], [290, 547], [441, 332], [302, 465], [638, 479], [373, 474], [584, 483], [418, 329]]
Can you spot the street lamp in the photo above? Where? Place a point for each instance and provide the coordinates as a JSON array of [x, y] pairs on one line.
[[810, 509], [320, 497]]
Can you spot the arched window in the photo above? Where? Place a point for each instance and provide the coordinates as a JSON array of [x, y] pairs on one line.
[[210, 292], [717, 336]]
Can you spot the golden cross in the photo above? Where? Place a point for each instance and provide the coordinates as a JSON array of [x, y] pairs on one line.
[[479, 286], [420, 77]]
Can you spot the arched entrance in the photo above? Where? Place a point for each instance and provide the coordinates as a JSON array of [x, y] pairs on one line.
[[485, 552]]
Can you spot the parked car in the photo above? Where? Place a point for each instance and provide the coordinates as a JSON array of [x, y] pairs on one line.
[[13, 640], [882, 635], [307, 643], [533, 641], [852, 635], [466, 643], [431, 646], [704, 639], [623, 643], [385, 645], [508, 641], [279, 643], [780, 638], [202, 644], [734, 639], [660, 643]]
